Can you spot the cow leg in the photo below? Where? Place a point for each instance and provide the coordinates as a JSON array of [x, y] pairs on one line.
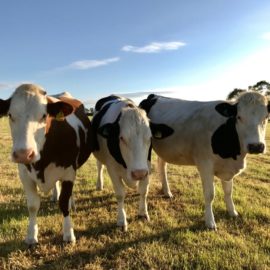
[[56, 192], [143, 191], [64, 204], [228, 188], [100, 168], [162, 171], [207, 178], [33, 204], [120, 194]]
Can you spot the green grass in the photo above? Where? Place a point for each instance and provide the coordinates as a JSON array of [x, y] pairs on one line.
[[175, 238]]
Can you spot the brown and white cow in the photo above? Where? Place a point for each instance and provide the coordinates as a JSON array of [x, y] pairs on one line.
[[51, 140], [123, 145], [214, 136]]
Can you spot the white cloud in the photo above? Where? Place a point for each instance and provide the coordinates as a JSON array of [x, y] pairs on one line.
[[83, 65], [266, 36], [154, 47], [87, 64]]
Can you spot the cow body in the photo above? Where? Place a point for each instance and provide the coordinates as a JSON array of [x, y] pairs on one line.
[[123, 145], [213, 136], [51, 140]]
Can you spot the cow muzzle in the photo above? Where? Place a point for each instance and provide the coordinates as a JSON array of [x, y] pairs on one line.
[[24, 156], [255, 148], [139, 174]]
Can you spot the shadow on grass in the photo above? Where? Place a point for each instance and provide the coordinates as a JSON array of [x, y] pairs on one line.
[[109, 252]]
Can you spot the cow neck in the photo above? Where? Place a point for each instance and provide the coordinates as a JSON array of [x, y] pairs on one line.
[[225, 140]]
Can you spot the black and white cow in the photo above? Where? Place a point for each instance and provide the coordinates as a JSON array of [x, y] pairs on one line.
[[214, 136], [124, 146], [51, 140]]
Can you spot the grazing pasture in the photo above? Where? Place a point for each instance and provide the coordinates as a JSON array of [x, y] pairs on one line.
[[175, 238]]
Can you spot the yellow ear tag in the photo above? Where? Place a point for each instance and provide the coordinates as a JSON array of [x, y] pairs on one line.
[[158, 135], [60, 116]]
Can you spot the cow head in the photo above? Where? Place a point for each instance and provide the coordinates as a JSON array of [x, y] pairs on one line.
[[129, 141], [250, 115], [28, 110]]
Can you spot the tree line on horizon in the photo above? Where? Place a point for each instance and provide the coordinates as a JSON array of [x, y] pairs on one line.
[[262, 87]]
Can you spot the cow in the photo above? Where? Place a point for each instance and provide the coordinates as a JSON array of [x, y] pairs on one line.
[[214, 136], [51, 140], [123, 145]]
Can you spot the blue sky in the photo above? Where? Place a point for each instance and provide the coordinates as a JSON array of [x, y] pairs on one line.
[[187, 49]]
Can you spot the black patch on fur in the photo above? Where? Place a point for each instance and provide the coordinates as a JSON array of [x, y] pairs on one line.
[[226, 109], [225, 141], [111, 132], [28, 167], [96, 123], [268, 107], [160, 131], [101, 101], [147, 104], [4, 106], [65, 195], [150, 152]]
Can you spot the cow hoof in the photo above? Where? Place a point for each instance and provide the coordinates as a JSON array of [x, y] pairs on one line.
[[211, 225], [69, 239], [122, 226], [167, 194], [99, 188], [233, 214], [144, 217], [31, 242]]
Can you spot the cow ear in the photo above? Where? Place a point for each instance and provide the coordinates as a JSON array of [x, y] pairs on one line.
[[59, 109], [160, 131], [105, 130], [4, 106], [227, 109]]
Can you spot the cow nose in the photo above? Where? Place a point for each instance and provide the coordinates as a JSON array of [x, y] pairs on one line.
[[255, 148], [23, 156], [139, 174]]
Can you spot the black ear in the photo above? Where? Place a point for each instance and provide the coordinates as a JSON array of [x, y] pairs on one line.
[[60, 109], [147, 104], [160, 131], [226, 109], [105, 130], [4, 106], [268, 107]]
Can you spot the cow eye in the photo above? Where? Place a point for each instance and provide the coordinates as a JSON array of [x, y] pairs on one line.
[[123, 140], [43, 118], [10, 117], [239, 118]]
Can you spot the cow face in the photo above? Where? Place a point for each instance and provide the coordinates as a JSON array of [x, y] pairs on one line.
[[251, 120], [134, 142], [249, 116], [28, 111], [129, 141]]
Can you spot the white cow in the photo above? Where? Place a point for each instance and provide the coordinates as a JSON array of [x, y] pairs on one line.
[[124, 146], [51, 140], [214, 136]]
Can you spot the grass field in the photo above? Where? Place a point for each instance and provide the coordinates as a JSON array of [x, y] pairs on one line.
[[175, 238]]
